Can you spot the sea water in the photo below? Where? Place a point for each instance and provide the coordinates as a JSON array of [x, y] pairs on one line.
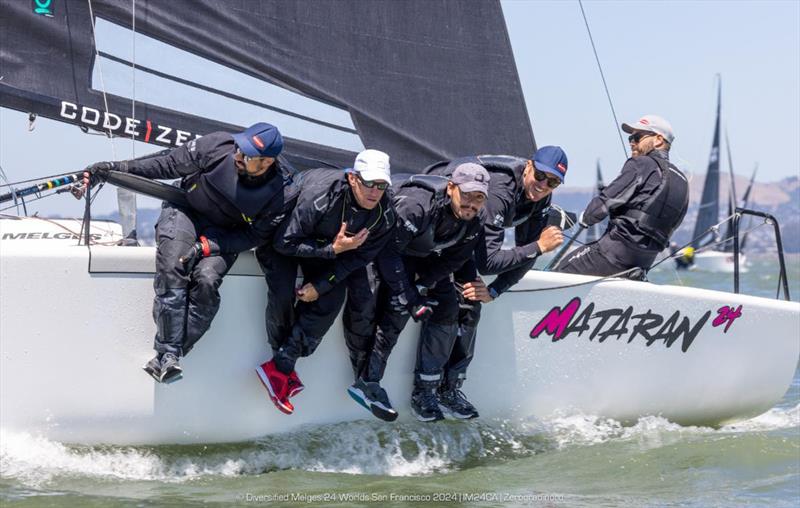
[[567, 460]]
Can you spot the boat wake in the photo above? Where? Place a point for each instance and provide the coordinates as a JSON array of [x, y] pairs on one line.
[[364, 447]]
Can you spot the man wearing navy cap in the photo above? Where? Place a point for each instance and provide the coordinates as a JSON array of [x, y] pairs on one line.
[[645, 204], [238, 194], [519, 197]]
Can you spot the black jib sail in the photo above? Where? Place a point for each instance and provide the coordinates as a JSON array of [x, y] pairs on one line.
[[422, 80], [708, 212]]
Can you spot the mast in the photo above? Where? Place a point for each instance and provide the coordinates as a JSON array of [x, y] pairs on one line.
[[708, 212], [728, 245]]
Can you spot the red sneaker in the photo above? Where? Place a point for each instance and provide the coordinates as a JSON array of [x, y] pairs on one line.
[[277, 384], [295, 385]]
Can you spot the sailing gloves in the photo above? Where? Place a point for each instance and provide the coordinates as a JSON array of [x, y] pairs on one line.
[[100, 170], [201, 249]]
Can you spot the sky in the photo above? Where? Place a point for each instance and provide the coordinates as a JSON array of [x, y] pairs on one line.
[[659, 57]]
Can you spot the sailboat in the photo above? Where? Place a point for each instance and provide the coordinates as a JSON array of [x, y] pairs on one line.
[[714, 253], [336, 77]]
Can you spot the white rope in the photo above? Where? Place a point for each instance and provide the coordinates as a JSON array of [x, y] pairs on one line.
[[102, 81]]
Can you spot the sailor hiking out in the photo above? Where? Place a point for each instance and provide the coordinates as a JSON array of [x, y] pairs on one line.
[[238, 193], [439, 223], [341, 221], [518, 196], [645, 204]]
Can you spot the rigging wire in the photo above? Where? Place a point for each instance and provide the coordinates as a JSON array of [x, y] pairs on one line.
[[605, 85], [102, 80]]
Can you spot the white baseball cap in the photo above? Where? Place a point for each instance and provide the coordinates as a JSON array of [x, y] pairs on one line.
[[373, 165], [651, 123]]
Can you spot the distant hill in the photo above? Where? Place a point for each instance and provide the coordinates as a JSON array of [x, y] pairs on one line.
[[781, 199]]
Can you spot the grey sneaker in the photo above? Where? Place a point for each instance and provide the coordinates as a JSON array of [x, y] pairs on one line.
[[153, 367], [453, 402], [171, 370], [374, 398], [425, 405]]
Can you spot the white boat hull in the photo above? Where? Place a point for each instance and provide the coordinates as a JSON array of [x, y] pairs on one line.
[[72, 344], [716, 261]]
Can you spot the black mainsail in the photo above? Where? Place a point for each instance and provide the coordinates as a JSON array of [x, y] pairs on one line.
[[423, 80]]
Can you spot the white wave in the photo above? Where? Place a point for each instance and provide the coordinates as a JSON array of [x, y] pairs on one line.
[[652, 431], [366, 447], [407, 449], [775, 419]]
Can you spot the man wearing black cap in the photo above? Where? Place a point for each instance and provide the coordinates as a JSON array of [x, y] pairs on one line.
[[518, 197], [341, 221], [439, 222], [238, 194], [645, 204]]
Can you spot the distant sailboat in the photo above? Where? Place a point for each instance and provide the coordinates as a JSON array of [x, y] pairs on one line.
[[719, 257]]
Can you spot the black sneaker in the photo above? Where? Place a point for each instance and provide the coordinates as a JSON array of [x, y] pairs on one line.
[[171, 370], [153, 367], [425, 405], [374, 398], [453, 402]]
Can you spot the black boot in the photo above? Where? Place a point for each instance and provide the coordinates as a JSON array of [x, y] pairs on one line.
[[454, 403], [425, 403]]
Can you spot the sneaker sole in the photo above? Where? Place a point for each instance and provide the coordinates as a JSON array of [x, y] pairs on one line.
[[171, 376], [294, 391], [264, 381], [378, 411], [424, 419]]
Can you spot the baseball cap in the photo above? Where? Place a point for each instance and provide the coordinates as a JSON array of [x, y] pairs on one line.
[[259, 140], [471, 177], [551, 159], [373, 165], [651, 123]]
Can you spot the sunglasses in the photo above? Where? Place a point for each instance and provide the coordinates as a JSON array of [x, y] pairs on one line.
[[373, 184], [541, 176], [248, 158], [635, 138]]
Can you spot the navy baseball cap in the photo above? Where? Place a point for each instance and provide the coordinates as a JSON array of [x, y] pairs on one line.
[[551, 159], [259, 140]]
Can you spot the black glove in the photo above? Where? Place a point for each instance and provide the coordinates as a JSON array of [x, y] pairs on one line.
[[202, 249], [99, 170]]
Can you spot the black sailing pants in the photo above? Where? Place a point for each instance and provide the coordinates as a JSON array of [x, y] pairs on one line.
[[187, 297], [299, 326]]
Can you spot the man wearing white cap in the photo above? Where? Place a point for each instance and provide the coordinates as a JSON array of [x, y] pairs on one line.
[[342, 219], [645, 204]]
